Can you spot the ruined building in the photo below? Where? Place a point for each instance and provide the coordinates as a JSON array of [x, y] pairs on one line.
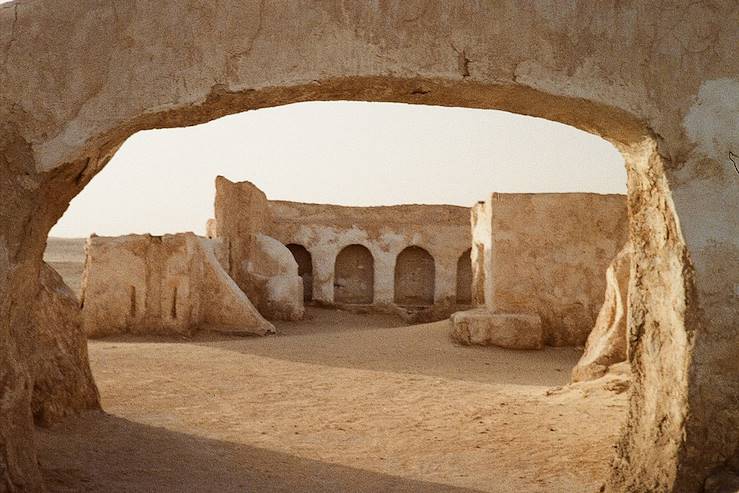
[[533, 264]]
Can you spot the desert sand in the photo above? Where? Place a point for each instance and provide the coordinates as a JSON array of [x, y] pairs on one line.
[[337, 402]]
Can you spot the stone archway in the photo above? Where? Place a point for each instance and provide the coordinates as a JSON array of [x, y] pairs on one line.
[[464, 278], [354, 276], [305, 268], [659, 81], [415, 275]]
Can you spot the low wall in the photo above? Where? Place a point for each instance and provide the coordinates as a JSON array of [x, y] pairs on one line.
[[170, 284], [548, 256]]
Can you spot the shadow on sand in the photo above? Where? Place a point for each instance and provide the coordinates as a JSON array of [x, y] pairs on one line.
[[100, 452]]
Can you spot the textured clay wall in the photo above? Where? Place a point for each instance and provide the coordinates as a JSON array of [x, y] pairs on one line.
[[170, 284], [482, 244], [263, 268], [241, 213], [549, 255], [324, 230]]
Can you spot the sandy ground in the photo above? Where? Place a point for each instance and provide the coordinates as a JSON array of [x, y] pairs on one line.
[[340, 402]]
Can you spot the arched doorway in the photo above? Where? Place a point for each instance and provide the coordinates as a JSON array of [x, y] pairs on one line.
[[354, 276], [414, 277], [464, 278], [305, 268]]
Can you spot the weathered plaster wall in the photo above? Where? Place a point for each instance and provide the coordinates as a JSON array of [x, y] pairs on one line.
[[274, 271], [658, 79], [549, 253], [172, 284], [263, 269], [324, 230], [240, 214], [481, 255], [607, 343]]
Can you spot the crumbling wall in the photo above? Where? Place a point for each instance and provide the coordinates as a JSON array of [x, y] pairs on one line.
[[481, 220], [608, 342], [172, 284], [263, 269], [241, 213], [324, 230], [548, 255], [62, 380], [273, 272]]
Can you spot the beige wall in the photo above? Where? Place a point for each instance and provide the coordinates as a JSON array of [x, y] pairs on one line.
[[482, 244], [169, 284], [241, 213], [263, 269], [548, 256], [324, 230]]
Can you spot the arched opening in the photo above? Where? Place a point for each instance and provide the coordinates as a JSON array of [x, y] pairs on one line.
[[305, 268], [351, 288], [183, 74], [415, 277], [464, 278], [354, 276]]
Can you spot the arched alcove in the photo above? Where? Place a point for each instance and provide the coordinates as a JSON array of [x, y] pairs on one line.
[[354, 276], [415, 275], [305, 268], [464, 278]]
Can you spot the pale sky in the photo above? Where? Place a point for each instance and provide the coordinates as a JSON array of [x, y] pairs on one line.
[[162, 181]]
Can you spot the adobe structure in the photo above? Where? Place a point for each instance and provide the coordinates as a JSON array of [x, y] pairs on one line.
[[538, 263], [265, 259], [414, 256], [538, 266], [172, 284], [659, 80]]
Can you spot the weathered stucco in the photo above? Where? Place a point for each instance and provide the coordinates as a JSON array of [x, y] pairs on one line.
[[607, 343], [548, 253], [274, 271], [482, 245], [79, 77], [324, 230], [172, 284], [263, 269]]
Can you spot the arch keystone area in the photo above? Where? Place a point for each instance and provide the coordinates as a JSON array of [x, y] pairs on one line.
[[658, 80]]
